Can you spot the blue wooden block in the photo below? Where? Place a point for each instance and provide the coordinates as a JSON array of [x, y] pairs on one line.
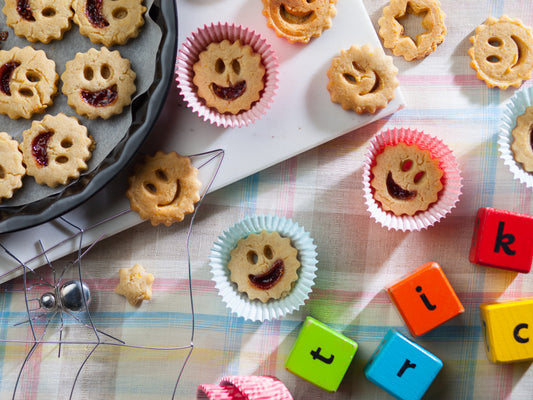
[[401, 367], [321, 355]]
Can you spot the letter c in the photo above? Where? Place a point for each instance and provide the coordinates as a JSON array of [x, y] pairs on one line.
[[516, 333]]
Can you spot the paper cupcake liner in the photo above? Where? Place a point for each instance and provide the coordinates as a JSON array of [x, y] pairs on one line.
[[239, 302], [198, 42], [451, 180], [513, 108], [245, 387]]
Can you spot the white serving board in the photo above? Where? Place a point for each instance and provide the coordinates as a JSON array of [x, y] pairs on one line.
[[300, 118]]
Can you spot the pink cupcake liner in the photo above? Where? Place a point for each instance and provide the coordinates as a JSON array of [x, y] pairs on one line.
[[188, 55], [246, 387], [451, 180]]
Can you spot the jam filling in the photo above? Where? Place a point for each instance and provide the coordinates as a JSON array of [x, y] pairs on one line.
[[100, 98], [93, 11], [24, 10], [270, 278], [397, 192], [231, 92], [39, 147], [6, 71]]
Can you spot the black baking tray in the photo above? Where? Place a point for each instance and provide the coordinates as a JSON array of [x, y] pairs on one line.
[[145, 110]]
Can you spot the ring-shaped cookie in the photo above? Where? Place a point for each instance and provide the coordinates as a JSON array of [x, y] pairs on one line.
[[39, 20], [299, 20], [56, 149], [109, 22], [28, 82], [362, 79], [164, 188], [98, 83], [502, 52], [11, 168], [392, 31]]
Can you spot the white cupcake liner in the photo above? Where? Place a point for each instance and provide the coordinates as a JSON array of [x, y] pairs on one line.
[[451, 180], [198, 42], [239, 302], [513, 108]]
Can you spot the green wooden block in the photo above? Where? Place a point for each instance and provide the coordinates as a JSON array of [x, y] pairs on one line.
[[321, 355]]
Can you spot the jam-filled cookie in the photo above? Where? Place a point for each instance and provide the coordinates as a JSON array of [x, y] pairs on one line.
[[56, 149], [406, 179], [264, 266], [11, 167], [28, 82], [299, 20], [109, 22], [229, 76], [98, 83], [502, 52], [164, 188], [39, 20], [522, 145], [362, 79]]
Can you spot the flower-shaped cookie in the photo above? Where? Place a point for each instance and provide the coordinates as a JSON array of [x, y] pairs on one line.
[[39, 20], [109, 22], [362, 79], [502, 52], [11, 168], [164, 188], [28, 82], [98, 83], [299, 20]]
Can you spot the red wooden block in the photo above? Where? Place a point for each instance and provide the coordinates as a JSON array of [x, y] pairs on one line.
[[502, 239]]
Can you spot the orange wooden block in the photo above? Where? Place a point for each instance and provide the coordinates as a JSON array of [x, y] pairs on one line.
[[425, 299]]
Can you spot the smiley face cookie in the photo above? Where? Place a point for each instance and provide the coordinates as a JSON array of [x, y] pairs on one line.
[[98, 83], [522, 145], [502, 52], [56, 149], [39, 20], [229, 76], [264, 266], [362, 79], [406, 179], [28, 82], [109, 22], [11, 167], [164, 188], [299, 20], [392, 31]]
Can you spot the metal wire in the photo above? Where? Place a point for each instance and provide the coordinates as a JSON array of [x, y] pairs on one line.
[[79, 234]]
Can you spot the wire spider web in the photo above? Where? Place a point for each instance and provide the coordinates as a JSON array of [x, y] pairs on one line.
[[37, 325]]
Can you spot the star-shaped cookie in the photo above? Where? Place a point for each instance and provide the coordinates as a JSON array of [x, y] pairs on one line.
[[135, 284]]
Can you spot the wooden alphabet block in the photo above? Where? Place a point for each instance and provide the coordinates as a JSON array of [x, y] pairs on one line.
[[508, 330], [401, 367], [502, 239], [321, 355], [425, 299]]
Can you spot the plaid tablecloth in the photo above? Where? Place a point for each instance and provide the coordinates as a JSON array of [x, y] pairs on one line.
[[322, 191]]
